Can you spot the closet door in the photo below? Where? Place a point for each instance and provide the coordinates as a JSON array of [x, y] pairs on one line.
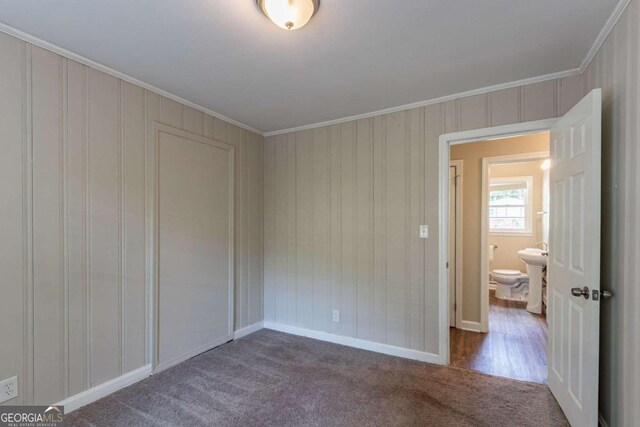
[[194, 244]]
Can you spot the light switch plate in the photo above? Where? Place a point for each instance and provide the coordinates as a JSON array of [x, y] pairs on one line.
[[424, 231]]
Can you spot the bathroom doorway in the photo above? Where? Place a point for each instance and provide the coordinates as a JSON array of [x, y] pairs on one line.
[[573, 263], [499, 326]]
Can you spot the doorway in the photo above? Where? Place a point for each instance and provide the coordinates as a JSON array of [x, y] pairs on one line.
[[573, 258], [498, 332]]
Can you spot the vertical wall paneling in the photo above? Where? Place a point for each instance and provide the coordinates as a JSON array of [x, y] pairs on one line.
[[504, 107], [320, 228], [237, 137], [153, 114], [304, 220], [133, 159], [27, 223], [415, 215], [76, 173], [364, 227], [48, 211], [15, 282], [254, 233], [335, 186], [570, 91], [539, 101], [473, 112], [270, 252], [395, 193], [378, 309], [355, 238], [208, 126], [105, 219], [121, 228], [347, 219], [172, 112], [281, 202], [64, 162], [291, 244], [220, 130], [194, 120], [74, 221], [615, 69], [434, 125]]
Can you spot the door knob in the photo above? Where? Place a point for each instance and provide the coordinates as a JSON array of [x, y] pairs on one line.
[[584, 292]]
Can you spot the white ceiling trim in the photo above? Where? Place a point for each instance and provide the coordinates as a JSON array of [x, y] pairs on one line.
[[608, 26], [602, 36], [538, 79], [100, 67]]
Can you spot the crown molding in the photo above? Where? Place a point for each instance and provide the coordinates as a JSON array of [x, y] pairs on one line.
[[604, 33], [501, 86], [100, 67]]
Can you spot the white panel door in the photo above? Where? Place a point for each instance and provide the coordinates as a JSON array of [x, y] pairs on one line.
[[574, 261], [194, 217]]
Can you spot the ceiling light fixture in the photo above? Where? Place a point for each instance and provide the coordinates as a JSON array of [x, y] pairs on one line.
[[289, 14]]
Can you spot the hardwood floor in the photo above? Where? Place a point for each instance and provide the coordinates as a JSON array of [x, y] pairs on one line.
[[515, 347]]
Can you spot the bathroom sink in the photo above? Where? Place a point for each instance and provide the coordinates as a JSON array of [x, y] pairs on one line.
[[536, 260], [533, 256]]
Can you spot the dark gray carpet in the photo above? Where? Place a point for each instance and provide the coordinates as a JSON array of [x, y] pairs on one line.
[[275, 379]]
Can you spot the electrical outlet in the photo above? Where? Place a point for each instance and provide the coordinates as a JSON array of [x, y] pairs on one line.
[[336, 316], [8, 389]]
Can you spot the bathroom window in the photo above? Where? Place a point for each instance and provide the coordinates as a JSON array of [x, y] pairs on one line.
[[510, 207]]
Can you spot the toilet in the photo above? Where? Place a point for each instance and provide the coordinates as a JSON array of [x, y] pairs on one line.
[[511, 284]]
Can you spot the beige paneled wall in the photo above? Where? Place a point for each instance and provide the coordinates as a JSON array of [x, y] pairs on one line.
[[72, 224], [343, 205], [615, 69]]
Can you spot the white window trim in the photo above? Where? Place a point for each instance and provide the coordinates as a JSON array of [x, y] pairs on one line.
[[528, 210]]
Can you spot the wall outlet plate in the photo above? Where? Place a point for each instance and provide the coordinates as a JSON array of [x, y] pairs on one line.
[[424, 231], [8, 389], [336, 316]]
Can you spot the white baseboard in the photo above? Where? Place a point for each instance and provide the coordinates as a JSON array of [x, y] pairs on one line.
[[467, 325], [248, 330], [98, 392], [357, 343]]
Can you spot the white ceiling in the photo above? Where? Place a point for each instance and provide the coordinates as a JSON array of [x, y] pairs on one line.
[[354, 57]]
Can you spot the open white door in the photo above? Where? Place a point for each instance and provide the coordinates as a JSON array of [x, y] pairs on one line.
[[574, 261]]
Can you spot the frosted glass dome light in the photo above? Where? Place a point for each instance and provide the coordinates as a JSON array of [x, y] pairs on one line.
[[289, 14]]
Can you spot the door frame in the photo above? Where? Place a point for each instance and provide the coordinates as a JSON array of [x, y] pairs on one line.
[[151, 241], [484, 224], [445, 143], [459, 165]]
